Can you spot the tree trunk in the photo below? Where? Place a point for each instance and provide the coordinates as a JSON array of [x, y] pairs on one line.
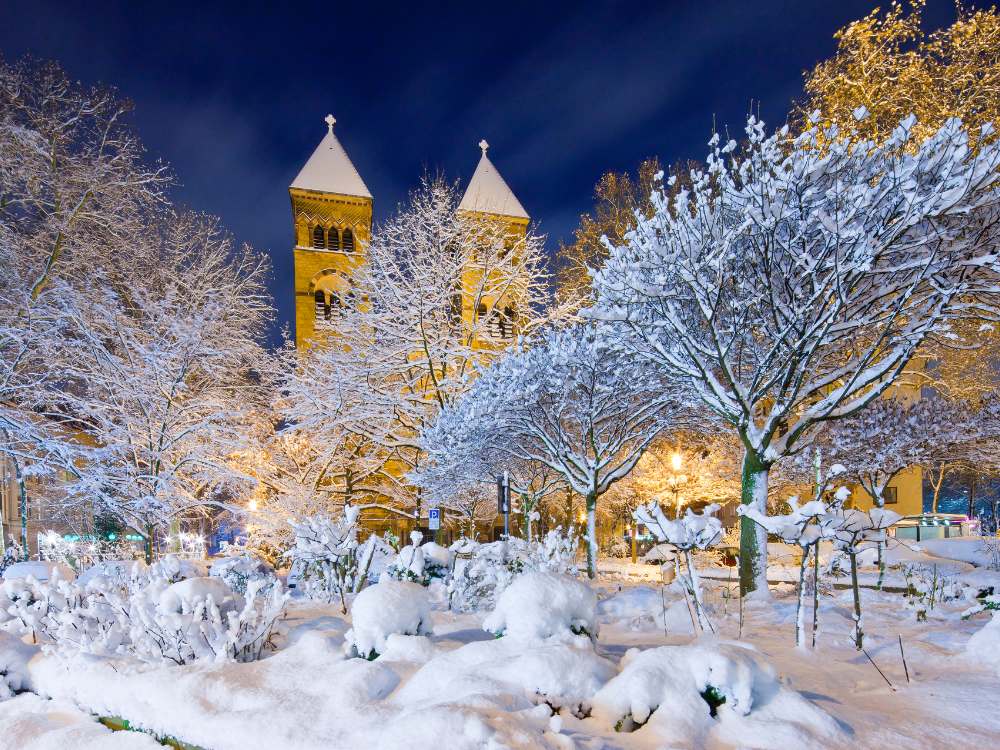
[[859, 630], [800, 605], [815, 594], [22, 489], [149, 543], [936, 485], [753, 537], [591, 535], [972, 495], [635, 543], [569, 508]]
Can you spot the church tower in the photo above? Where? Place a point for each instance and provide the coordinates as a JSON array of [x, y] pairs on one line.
[[488, 198], [332, 213]]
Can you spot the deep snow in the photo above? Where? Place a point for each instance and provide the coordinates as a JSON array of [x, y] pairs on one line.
[[463, 688]]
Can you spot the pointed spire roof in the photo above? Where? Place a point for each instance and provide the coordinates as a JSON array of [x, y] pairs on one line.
[[329, 169], [488, 193]]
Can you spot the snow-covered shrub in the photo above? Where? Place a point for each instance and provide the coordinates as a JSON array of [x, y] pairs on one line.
[[618, 548], [388, 607], [202, 618], [410, 563], [708, 695], [331, 560], [40, 570], [11, 554], [482, 571], [172, 569], [125, 574], [237, 572], [540, 605], [14, 657], [152, 619], [692, 531], [926, 588]]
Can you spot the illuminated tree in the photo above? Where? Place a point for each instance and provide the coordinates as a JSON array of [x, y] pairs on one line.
[[799, 277]]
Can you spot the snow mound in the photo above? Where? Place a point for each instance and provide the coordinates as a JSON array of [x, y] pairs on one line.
[[541, 605], [116, 571], [984, 646], [14, 658], [564, 674], [33, 723], [40, 570], [642, 608], [704, 694], [383, 609]]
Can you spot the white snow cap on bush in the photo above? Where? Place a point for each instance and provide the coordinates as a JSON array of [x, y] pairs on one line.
[[689, 681], [540, 605], [40, 570], [185, 596], [383, 609]]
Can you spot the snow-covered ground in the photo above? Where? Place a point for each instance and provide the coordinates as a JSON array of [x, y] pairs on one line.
[[636, 685]]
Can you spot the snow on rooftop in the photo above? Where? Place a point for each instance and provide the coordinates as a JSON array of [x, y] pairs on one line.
[[330, 170], [488, 193]]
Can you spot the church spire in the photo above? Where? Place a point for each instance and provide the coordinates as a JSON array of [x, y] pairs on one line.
[[488, 193], [330, 170]]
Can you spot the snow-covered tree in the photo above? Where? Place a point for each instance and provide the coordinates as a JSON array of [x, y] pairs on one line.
[[570, 403], [76, 193], [797, 278], [165, 376], [441, 293]]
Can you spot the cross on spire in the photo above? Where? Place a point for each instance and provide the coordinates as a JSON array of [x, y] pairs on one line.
[[484, 145], [330, 120]]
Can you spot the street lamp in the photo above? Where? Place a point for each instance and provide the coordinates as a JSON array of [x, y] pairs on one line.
[[676, 481]]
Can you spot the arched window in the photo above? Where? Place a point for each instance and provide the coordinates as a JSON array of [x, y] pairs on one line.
[[332, 239], [319, 238], [507, 323], [322, 308], [348, 241]]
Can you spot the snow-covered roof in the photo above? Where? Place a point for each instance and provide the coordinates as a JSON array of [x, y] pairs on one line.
[[488, 193], [329, 169]]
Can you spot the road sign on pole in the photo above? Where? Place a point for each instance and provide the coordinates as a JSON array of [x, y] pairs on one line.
[[434, 519]]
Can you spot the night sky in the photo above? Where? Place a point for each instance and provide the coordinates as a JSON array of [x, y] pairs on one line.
[[233, 96]]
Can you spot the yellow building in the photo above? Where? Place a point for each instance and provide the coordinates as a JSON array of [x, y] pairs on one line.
[[332, 217]]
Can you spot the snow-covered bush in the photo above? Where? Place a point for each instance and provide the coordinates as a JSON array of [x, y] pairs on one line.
[[410, 563], [926, 588], [708, 695], [540, 605], [172, 568], [126, 574], [618, 548], [482, 571], [153, 619], [388, 607], [237, 572], [331, 561], [691, 531], [39, 570]]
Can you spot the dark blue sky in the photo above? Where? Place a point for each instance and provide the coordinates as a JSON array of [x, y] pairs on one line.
[[232, 95]]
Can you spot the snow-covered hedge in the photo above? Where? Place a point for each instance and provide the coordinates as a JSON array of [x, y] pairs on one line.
[[240, 570], [388, 607], [541, 605], [152, 618], [708, 695]]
